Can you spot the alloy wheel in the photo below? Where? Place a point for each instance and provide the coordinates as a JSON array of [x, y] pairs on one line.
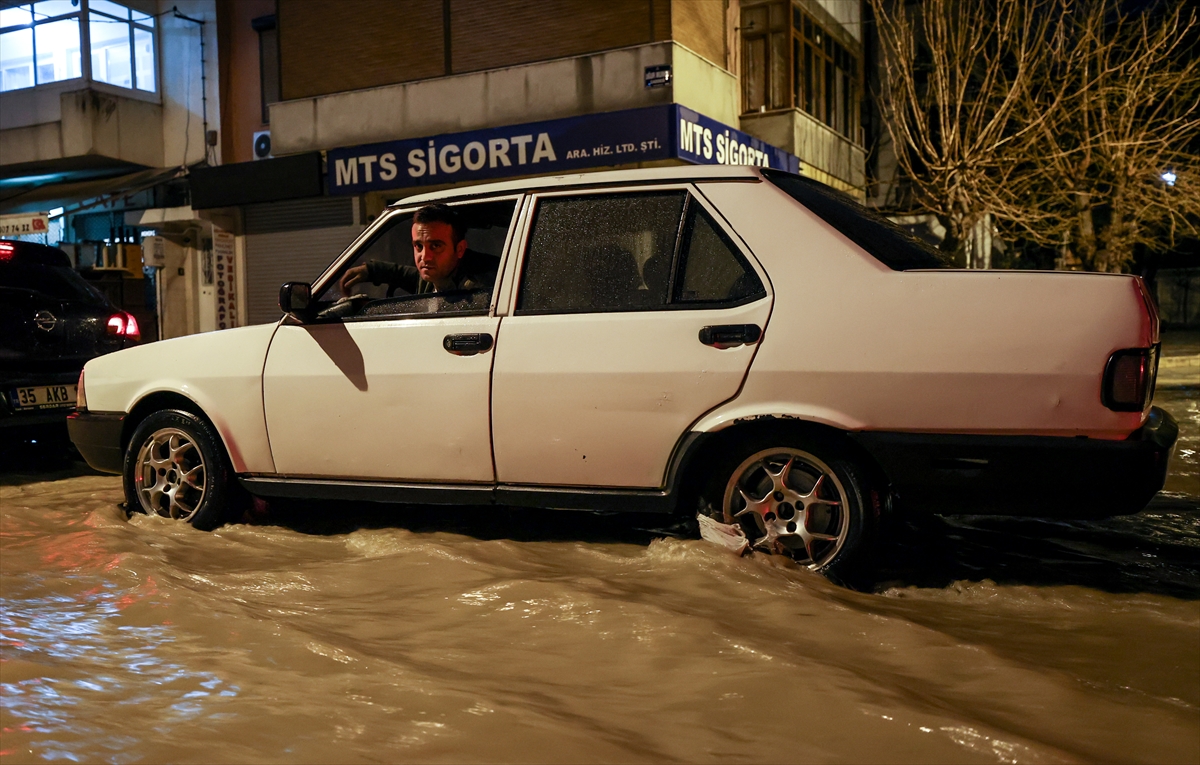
[[170, 475], [789, 502]]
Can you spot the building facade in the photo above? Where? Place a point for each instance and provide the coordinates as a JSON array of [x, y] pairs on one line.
[[320, 114], [103, 105], [397, 98]]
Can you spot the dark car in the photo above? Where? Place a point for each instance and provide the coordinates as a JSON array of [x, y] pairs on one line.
[[51, 323]]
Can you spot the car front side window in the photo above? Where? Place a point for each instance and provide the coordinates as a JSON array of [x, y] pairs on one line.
[[390, 287]]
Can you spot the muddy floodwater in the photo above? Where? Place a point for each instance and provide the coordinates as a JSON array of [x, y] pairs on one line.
[[341, 633]]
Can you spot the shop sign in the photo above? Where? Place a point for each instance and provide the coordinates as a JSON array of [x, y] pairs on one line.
[[27, 223], [553, 146], [705, 141], [574, 143], [224, 256]]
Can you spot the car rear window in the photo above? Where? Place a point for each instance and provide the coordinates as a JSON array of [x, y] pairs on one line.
[[885, 241], [587, 253], [58, 282]]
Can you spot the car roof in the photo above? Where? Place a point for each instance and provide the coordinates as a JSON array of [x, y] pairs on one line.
[[32, 253], [602, 178]]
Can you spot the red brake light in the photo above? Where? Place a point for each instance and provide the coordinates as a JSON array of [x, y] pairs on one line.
[[124, 325], [1127, 380], [132, 330], [6, 251]]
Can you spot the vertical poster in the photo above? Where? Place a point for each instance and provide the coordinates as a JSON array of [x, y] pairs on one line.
[[223, 251]]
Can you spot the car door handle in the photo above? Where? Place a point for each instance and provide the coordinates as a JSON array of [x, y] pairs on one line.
[[468, 344], [730, 335]]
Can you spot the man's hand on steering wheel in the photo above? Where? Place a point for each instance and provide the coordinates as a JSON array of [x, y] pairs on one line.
[[352, 277]]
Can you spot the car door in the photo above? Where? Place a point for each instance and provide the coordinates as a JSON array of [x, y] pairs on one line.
[[397, 387], [604, 359]]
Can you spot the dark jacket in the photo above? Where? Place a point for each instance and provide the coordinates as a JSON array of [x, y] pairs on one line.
[[475, 271]]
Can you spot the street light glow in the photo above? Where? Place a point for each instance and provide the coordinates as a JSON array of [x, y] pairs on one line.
[[1169, 177]]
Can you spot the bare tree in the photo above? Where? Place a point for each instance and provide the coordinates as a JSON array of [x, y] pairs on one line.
[[1115, 108], [954, 82], [1058, 119]]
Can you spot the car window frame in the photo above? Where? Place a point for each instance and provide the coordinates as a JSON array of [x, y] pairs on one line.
[[367, 236], [520, 250], [740, 249]]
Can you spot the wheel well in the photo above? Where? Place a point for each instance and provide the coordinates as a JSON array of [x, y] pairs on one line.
[[153, 403], [707, 451]]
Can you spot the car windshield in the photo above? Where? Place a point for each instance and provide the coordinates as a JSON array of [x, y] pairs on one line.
[[885, 241], [58, 282]]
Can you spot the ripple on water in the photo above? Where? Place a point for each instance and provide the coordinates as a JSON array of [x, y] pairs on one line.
[[436, 636]]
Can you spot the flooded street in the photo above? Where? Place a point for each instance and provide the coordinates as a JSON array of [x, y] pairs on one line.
[[338, 633]]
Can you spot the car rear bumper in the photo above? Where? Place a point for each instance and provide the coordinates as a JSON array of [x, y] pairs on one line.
[[1026, 475], [35, 419], [97, 436]]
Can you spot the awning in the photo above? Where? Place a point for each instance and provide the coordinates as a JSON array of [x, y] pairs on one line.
[[82, 195], [264, 180]]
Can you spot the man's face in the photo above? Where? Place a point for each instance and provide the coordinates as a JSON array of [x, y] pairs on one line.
[[435, 252]]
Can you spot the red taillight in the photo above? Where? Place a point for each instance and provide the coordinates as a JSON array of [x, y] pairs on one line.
[[1127, 379], [124, 325], [6, 251]]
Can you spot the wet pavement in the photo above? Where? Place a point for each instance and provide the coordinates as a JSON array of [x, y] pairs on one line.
[[343, 633]]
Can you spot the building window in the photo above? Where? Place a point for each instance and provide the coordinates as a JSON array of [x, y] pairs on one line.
[[823, 73], [41, 43], [122, 43], [764, 58], [268, 62]]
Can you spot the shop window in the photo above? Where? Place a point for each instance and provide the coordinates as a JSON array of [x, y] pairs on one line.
[[41, 43]]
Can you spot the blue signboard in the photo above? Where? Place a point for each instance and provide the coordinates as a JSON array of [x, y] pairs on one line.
[[553, 146], [705, 141]]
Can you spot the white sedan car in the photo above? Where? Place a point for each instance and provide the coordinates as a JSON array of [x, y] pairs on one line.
[[734, 342]]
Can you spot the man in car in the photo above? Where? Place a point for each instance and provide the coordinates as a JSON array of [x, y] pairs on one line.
[[441, 259]]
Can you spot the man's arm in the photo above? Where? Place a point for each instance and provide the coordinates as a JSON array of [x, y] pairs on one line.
[[381, 272], [477, 271]]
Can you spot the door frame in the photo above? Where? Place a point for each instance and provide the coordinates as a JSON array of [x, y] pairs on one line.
[[520, 210], [514, 270]]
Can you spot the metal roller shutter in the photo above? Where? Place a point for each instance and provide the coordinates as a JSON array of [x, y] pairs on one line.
[[288, 256], [296, 214], [292, 241]]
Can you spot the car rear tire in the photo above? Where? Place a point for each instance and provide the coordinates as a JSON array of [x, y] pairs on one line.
[[176, 468], [807, 500]]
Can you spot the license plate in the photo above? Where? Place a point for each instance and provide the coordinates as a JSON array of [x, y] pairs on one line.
[[43, 397]]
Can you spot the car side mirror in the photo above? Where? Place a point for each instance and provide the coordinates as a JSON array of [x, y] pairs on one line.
[[294, 300]]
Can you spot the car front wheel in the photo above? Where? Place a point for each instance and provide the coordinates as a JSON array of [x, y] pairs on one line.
[[175, 467], [790, 501]]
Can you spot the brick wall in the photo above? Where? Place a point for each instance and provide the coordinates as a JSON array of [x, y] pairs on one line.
[[355, 44]]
